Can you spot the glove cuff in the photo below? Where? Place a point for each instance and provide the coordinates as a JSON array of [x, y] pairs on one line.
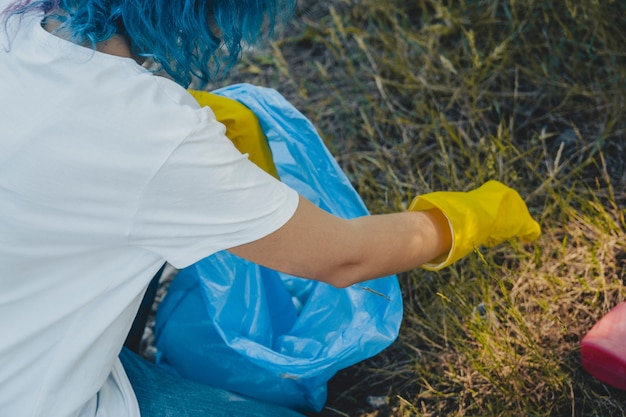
[[422, 204]]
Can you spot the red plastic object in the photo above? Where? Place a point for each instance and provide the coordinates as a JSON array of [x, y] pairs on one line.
[[603, 349]]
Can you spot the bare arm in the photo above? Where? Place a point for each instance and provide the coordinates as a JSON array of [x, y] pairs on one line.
[[315, 244]]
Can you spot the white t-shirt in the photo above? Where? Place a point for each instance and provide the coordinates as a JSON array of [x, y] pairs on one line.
[[106, 171]]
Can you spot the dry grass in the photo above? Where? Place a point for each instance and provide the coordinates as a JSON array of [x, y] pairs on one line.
[[443, 95]]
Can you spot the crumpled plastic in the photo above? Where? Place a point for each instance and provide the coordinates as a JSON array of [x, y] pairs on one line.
[[271, 336]]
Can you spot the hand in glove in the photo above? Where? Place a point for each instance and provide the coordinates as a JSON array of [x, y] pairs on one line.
[[242, 128], [486, 216]]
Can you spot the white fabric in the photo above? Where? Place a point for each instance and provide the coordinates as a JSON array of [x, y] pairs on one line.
[[105, 172]]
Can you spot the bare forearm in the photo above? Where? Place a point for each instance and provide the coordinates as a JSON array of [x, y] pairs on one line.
[[318, 245], [392, 243]]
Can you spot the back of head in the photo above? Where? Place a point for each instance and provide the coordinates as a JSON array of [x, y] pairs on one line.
[[187, 38]]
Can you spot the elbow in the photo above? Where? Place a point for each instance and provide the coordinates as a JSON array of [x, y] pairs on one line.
[[339, 282], [341, 276]]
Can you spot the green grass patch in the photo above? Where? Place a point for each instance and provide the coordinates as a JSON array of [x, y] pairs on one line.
[[429, 95]]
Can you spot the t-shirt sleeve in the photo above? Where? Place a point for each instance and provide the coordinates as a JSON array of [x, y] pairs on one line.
[[207, 197]]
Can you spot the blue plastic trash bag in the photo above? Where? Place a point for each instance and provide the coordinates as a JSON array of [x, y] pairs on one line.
[[233, 324]]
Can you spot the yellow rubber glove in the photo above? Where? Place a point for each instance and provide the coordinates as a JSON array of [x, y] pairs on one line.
[[485, 216], [242, 128]]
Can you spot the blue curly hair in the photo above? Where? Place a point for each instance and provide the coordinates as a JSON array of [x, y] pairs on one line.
[[185, 37]]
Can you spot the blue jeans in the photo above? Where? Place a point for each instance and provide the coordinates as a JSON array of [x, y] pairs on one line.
[[161, 394]]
